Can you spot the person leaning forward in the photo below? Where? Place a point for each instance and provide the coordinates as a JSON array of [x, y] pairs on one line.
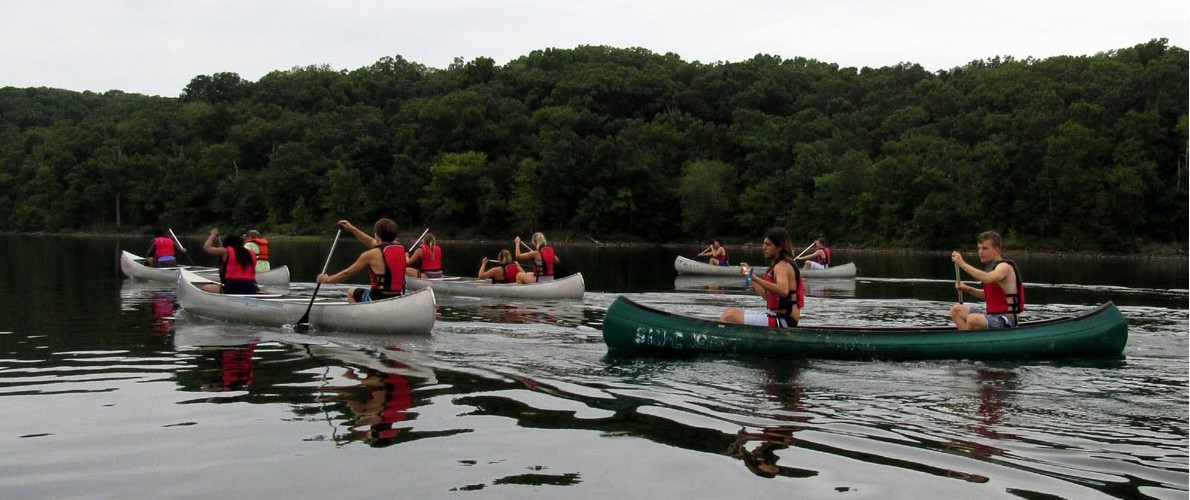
[[384, 259], [1003, 291]]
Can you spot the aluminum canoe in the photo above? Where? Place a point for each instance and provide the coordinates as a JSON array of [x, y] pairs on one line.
[[413, 313], [684, 265], [132, 266], [570, 287]]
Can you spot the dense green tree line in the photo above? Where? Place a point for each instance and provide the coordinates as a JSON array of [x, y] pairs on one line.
[[1085, 152]]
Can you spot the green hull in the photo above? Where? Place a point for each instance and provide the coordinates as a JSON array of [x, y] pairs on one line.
[[629, 327]]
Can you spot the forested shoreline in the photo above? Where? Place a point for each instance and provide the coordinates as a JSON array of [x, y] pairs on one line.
[[1068, 152]]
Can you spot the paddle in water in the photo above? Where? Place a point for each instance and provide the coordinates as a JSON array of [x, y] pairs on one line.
[[171, 233], [304, 323]]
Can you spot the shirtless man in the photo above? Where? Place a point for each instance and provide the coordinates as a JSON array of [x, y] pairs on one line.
[[1003, 292]]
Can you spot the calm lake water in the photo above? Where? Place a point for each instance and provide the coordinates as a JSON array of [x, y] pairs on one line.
[[108, 391]]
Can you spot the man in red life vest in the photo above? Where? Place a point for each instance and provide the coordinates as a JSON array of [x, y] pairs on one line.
[[820, 259], [162, 251], [385, 261], [1003, 291]]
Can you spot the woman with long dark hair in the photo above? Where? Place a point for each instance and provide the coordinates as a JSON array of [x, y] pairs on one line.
[[237, 265], [781, 286]]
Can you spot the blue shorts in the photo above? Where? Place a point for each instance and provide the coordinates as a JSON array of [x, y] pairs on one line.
[[366, 295], [994, 320], [724, 263], [167, 261]]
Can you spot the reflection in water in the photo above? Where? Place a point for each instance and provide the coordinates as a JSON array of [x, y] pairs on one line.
[[236, 367], [163, 314], [762, 459], [379, 400]]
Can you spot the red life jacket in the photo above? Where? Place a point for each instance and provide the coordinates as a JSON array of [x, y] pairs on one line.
[[726, 258], [997, 300], [263, 244], [431, 259], [233, 270], [546, 268], [392, 281], [785, 302], [163, 247], [510, 272], [825, 258]]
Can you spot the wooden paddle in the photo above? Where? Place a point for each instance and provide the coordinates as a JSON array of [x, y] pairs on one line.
[[171, 233], [304, 323]]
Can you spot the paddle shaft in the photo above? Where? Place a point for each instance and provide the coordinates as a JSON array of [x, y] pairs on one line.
[[957, 281], [806, 250], [414, 245], [171, 233], [306, 317]]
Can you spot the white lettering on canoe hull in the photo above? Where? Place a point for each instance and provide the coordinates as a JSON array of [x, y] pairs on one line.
[[659, 337]]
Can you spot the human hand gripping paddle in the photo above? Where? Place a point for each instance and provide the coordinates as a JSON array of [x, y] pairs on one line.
[[171, 233], [304, 323]]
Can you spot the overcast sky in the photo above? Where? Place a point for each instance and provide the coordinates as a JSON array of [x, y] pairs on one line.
[[158, 46]]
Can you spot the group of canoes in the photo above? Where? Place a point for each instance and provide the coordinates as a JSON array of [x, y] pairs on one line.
[[395, 302], [401, 300]]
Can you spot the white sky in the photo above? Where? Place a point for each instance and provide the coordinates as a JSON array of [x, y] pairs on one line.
[[158, 46]]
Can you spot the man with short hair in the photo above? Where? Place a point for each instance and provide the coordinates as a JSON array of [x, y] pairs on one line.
[[820, 259], [1003, 291], [384, 259]]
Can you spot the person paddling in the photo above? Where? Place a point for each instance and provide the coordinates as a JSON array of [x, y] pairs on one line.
[[237, 265], [781, 287], [260, 246], [1003, 291], [544, 260], [426, 261], [820, 259], [384, 259], [718, 254], [506, 272], [162, 251]]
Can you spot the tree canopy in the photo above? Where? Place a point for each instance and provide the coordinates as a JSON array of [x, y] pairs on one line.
[[1086, 152]]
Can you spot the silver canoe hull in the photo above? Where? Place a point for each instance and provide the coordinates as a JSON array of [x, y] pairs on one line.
[[131, 266], [413, 313], [684, 265], [570, 287]]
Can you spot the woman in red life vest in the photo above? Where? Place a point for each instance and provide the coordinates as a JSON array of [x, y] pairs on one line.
[[506, 272], [820, 259], [718, 254], [426, 261], [237, 268], [162, 251], [781, 287], [384, 259], [1003, 291], [544, 260]]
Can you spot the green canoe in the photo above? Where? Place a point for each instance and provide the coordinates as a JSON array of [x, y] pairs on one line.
[[629, 327]]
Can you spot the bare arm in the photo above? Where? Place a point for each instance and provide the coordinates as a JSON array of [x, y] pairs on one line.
[[416, 256], [818, 253], [996, 275], [364, 260], [209, 245], [360, 235]]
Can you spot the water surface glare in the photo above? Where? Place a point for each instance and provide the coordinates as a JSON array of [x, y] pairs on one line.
[[107, 390]]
